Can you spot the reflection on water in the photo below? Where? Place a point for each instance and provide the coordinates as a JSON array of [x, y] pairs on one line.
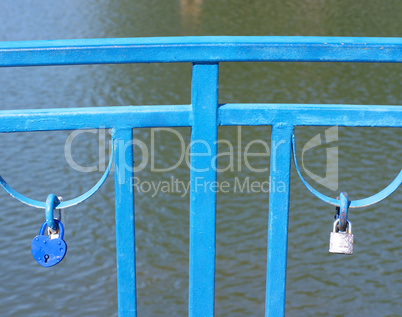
[[190, 11], [366, 283]]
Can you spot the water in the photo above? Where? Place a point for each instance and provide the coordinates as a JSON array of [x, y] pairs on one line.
[[319, 284]]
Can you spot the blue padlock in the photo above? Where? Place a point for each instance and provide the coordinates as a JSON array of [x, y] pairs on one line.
[[48, 252]]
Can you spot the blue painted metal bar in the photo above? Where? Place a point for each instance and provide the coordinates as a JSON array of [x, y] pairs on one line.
[[278, 219], [124, 117], [201, 49], [343, 211], [51, 202], [59, 204], [181, 116], [392, 187], [125, 222], [204, 135], [311, 115]]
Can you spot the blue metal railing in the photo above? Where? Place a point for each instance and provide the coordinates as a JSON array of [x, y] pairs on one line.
[[204, 115]]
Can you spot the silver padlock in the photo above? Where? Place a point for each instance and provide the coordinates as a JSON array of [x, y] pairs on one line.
[[341, 242]]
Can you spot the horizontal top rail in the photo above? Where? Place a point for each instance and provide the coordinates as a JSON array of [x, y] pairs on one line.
[[204, 49]]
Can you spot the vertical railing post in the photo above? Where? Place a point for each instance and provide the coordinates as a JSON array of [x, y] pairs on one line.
[[204, 133], [125, 222], [278, 220]]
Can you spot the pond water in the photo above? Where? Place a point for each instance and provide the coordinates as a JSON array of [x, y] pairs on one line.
[[369, 283]]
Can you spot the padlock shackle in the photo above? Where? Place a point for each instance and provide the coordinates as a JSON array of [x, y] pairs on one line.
[[348, 228], [59, 226]]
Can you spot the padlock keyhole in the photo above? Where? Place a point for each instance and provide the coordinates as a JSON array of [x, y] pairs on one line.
[[46, 257]]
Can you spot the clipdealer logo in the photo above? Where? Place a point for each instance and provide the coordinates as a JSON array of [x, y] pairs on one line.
[[236, 155]]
